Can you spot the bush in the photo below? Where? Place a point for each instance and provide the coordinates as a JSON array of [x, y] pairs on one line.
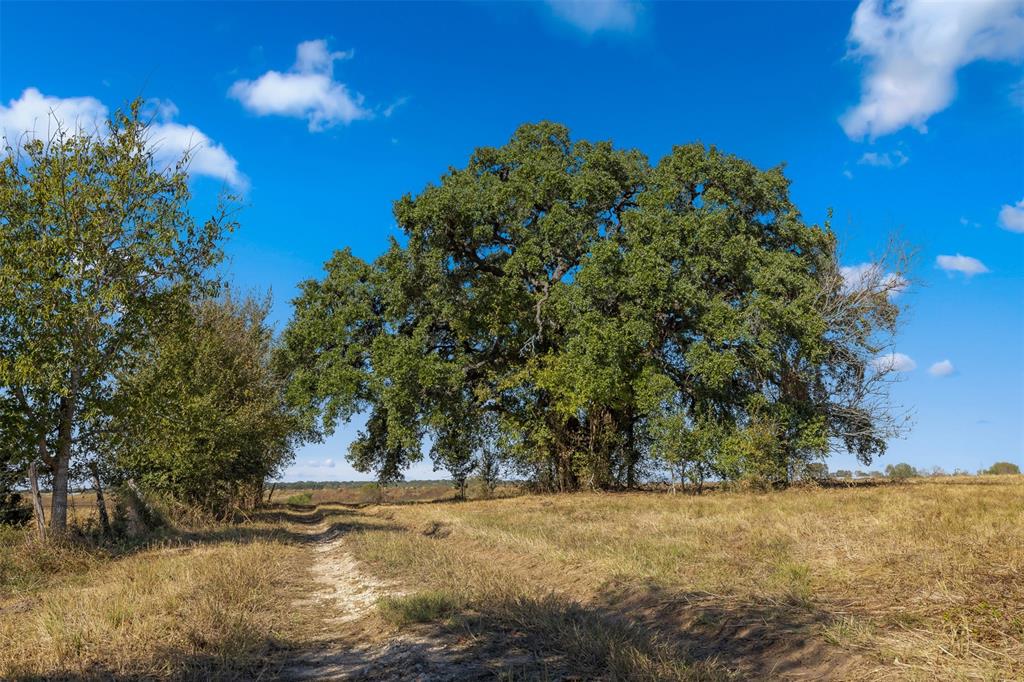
[[901, 471], [14, 509], [300, 498], [1002, 468]]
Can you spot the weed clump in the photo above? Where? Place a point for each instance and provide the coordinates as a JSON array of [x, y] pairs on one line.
[[422, 607]]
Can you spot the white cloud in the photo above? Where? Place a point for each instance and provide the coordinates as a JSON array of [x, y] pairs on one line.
[[591, 16], [1012, 217], [913, 49], [38, 116], [943, 368], [886, 160], [848, 174], [170, 140], [869, 276], [894, 362], [308, 90], [960, 263], [390, 109]]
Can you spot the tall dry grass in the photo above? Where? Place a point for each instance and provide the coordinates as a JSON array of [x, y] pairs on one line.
[[201, 603], [922, 579]]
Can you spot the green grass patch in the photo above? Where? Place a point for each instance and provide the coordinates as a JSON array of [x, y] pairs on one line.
[[301, 498], [422, 607]]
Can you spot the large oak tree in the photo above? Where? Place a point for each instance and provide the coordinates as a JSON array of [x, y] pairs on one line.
[[589, 314]]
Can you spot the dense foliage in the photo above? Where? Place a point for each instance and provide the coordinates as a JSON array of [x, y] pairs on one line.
[[1002, 469], [202, 418], [99, 258], [901, 470], [583, 315]]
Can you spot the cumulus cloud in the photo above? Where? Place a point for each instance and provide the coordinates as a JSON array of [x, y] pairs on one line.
[[912, 50], [38, 116], [1012, 217], [886, 160], [591, 16], [942, 368], [960, 263], [170, 140], [869, 276], [308, 90], [894, 362]]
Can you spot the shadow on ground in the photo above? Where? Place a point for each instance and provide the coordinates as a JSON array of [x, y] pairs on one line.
[[648, 634], [285, 523]]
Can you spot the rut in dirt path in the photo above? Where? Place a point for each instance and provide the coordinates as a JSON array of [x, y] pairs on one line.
[[351, 593], [350, 648]]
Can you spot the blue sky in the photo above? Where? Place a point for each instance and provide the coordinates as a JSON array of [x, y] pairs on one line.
[[905, 117]]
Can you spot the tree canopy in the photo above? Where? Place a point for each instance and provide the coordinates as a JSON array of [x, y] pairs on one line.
[[100, 257], [589, 315], [202, 418]]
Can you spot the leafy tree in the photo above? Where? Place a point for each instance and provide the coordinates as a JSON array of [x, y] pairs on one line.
[[609, 315], [1003, 468], [901, 471], [817, 471], [97, 252], [203, 419], [844, 473]]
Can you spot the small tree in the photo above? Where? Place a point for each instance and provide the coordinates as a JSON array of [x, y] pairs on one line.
[[97, 252], [1002, 468], [816, 471], [204, 419], [900, 471]]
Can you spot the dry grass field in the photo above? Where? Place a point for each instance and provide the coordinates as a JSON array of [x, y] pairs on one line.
[[914, 581]]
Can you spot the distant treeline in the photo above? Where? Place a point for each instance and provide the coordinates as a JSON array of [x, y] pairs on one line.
[[323, 485]]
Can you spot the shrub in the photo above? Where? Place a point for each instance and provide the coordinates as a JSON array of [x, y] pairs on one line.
[[1002, 468], [901, 471], [300, 498], [14, 509]]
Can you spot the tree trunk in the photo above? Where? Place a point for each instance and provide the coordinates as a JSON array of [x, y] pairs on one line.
[[101, 504], [37, 500], [59, 502], [632, 456]]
